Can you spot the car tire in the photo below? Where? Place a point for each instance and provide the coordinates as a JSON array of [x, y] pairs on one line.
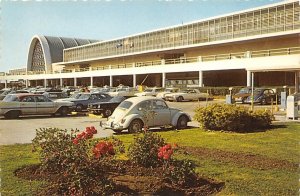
[[107, 112], [79, 108], [117, 131], [64, 111], [12, 114], [182, 122], [179, 99], [243, 100], [135, 126], [263, 102]]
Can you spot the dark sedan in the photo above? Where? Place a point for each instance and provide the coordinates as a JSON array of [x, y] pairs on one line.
[[105, 108], [84, 99], [242, 95], [263, 96]]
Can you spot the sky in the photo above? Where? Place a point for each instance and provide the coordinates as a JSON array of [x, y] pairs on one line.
[[97, 19]]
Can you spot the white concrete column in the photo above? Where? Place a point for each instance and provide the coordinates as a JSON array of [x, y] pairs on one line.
[[110, 80], [200, 78], [92, 81], [249, 78], [296, 81], [163, 80], [134, 80], [5, 84], [60, 82], [75, 81], [45, 83], [26, 83], [199, 58]]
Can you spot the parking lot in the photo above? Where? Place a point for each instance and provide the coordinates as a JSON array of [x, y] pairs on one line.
[[22, 130]]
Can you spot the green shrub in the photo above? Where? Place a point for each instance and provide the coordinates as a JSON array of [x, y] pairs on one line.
[[180, 172], [81, 162], [144, 149], [232, 118]]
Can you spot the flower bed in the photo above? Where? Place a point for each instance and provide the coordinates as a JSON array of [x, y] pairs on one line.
[[73, 163]]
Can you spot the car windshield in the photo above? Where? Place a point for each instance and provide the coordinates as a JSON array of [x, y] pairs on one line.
[[125, 104], [117, 99], [257, 91], [121, 90], [84, 96], [245, 90], [10, 98], [148, 90], [76, 95]]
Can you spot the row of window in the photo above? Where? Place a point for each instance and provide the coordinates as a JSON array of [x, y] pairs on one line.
[[281, 18]]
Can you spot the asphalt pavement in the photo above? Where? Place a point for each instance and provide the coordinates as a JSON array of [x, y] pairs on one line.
[[23, 130]]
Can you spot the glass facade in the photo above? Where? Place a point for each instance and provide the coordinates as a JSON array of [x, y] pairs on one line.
[[278, 18], [38, 62]]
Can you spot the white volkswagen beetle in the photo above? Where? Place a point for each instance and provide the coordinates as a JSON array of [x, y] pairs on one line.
[[135, 113]]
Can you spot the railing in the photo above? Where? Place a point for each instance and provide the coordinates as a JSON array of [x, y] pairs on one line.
[[148, 63], [228, 56]]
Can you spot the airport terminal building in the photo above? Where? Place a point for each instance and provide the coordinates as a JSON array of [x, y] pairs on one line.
[[217, 51]]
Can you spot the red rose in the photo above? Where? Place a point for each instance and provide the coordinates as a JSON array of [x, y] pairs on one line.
[[75, 141]]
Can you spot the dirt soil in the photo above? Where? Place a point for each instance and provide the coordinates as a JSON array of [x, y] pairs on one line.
[[133, 180], [242, 159]]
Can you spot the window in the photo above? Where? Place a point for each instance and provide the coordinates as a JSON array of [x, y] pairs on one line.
[[145, 105], [28, 99], [41, 99], [159, 105]]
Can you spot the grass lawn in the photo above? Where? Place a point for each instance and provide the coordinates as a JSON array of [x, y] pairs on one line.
[[264, 163]]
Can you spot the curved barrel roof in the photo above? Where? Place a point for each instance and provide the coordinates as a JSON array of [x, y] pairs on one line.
[[45, 50]]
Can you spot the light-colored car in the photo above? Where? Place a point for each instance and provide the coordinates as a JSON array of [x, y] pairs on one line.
[[124, 91], [163, 94], [15, 105], [136, 112], [188, 94], [150, 92]]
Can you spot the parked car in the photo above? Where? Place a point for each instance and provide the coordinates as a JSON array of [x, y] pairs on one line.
[[135, 112], [163, 94], [105, 108], [124, 91], [242, 95], [15, 105], [56, 95], [69, 89], [188, 94], [263, 96], [150, 92], [81, 102]]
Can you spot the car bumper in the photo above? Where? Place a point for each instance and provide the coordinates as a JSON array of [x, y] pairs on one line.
[[111, 125], [170, 98], [95, 110]]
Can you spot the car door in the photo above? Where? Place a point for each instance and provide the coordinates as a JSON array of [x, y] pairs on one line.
[[190, 95], [145, 111], [94, 98], [44, 105], [28, 105], [161, 113]]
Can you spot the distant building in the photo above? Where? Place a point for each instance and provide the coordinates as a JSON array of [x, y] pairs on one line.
[[217, 51]]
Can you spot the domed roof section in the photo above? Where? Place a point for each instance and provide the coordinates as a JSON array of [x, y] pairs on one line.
[[45, 50]]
